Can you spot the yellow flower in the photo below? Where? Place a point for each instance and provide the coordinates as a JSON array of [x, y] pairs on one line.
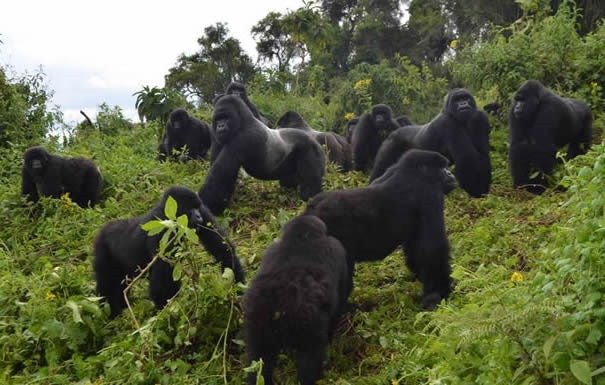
[[362, 84], [50, 296], [349, 116], [454, 44], [394, 382], [516, 277], [66, 198]]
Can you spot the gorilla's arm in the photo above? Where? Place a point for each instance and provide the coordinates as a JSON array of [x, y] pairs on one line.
[[28, 187], [363, 139], [220, 182], [163, 148], [469, 148], [217, 244]]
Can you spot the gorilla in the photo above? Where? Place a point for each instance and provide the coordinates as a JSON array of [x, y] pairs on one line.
[[52, 176], [371, 129], [122, 247], [402, 207], [493, 108], [350, 127], [339, 150], [540, 124], [182, 130], [403, 121], [238, 89], [239, 140], [295, 300], [460, 133]]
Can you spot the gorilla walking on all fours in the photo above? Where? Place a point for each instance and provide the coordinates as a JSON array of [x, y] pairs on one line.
[[238, 89], [402, 207], [183, 130], [540, 124], [295, 300], [339, 150], [52, 176], [239, 140], [460, 133], [122, 248], [371, 129]]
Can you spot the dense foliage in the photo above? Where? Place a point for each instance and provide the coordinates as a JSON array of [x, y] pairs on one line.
[[529, 302]]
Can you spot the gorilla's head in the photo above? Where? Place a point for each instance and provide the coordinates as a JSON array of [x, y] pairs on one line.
[[35, 160], [381, 116], [230, 114], [527, 99], [304, 227], [237, 89], [188, 203], [460, 104], [178, 118], [430, 166]]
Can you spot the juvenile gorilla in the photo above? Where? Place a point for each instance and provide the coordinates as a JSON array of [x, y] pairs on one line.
[[350, 127], [122, 247], [403, 121], [541, 123], [339, 150], [295, 300], [182, 130], [493, 108], [52, 176], [238, 89], [372, 128], [403, 207], [460, 133], [239, 140]]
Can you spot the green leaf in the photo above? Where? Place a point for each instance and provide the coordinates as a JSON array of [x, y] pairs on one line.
[[177, 271], [153, 227], [75, 311], [581, 371], [547, 347], [170, 208], [182, 221]]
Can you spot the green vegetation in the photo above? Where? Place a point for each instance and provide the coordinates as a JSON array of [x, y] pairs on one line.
[[529, 302]]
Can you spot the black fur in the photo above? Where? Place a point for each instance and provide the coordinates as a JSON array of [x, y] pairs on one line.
[[52, 176], [493, 109], [339, 150], [182, 130], [371, 129], [402, 207], [239, 140], [403, 121], [350, 127], [122, 247], [296, 298], [540, 124], [460, 133], [238, 89]]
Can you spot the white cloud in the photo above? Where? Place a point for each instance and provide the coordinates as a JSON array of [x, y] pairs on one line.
[[116, 46]]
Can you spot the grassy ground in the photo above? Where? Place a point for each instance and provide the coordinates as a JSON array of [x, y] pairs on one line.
[[53, 331]]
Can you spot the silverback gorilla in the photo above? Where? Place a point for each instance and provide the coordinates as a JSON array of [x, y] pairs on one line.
[[339, 150], [296, 298], [371, 129], [239, 140], [52, 176], [541, 123], [460, 133], [122, 247], [183, 130], [402, 207], [238, 89]]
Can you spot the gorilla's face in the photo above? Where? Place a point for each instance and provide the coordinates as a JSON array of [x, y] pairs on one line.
[[188, 203], [179, 119], [225, 121], [448, 180], [524, 105], [381, 118], [461, 105], [36, 161]]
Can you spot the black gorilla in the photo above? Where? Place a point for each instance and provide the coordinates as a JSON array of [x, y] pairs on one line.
[[460, 133], [182, 130], [295, 300], [350, 127], [339, 150], [238, 89], [403, 207], [371, 129], [493, 108], [51, 175], [403, 121], [541, 123], [239, 140], [122, 247]]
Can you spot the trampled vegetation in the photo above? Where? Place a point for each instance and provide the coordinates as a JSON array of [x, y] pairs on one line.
[[529, 300]]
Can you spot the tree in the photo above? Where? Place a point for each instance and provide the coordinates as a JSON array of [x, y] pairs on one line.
[[207, 72]]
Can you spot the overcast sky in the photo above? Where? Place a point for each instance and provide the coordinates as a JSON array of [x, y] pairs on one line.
[[103, 51]]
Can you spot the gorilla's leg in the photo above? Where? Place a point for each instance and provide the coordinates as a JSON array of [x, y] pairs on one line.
[[268, 352], [581, 143], [90, 188], [310, 165], [110, 281], [309, 363], [519, 165], [161, 285]]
